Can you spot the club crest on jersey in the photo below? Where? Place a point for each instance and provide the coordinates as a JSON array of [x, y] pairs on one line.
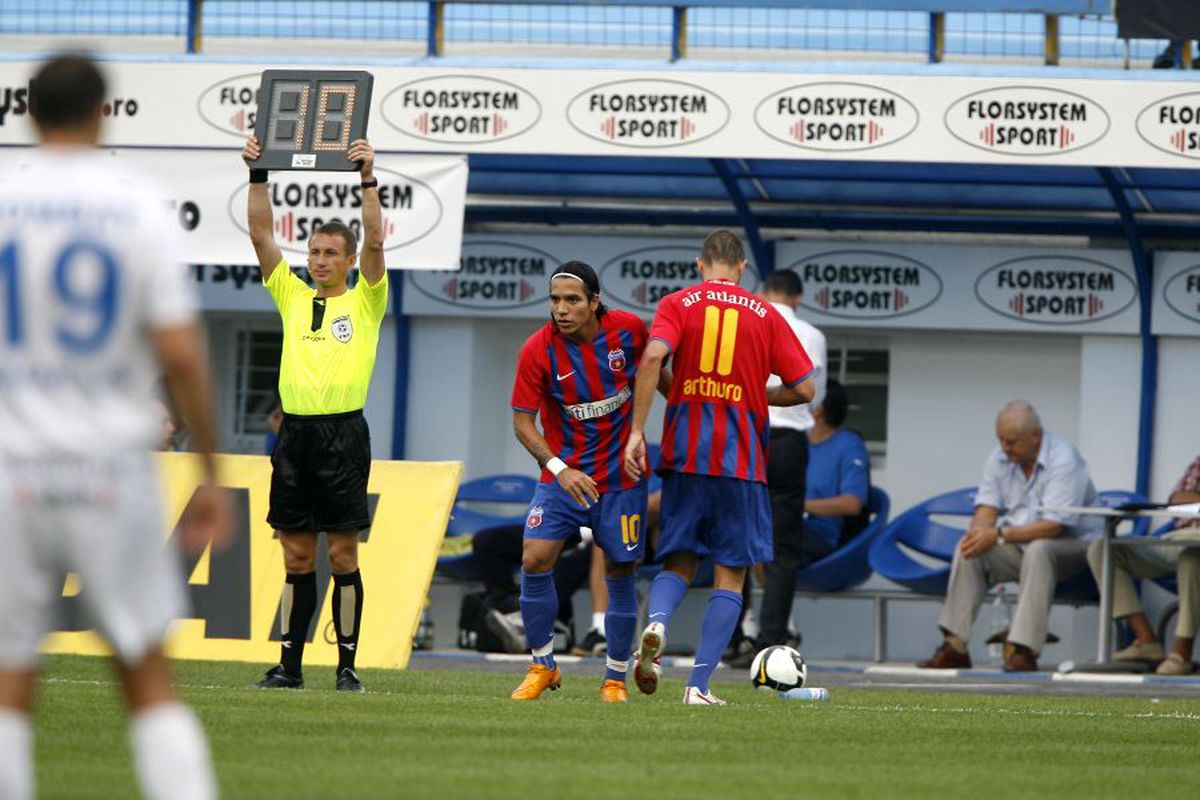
[[535, 517], [342, 328], [616, 360]]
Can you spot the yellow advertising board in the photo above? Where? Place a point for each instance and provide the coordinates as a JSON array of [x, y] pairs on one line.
[[235, 592]]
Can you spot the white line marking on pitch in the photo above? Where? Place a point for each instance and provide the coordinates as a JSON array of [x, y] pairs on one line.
[[1019, 712]]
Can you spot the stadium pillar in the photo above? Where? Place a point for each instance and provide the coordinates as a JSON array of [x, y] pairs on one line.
[[195, 27], [1051, 46], [435, 35], [678, 33], [1144, 267], [763, 252], [403, 358], [937, 37]]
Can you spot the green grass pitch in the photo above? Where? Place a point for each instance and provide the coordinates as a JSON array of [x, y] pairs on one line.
[[454, 733]]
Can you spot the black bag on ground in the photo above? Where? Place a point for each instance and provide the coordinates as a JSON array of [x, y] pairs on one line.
[[473, 632]]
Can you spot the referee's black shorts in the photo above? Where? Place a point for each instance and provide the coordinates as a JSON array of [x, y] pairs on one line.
[[319, 474]]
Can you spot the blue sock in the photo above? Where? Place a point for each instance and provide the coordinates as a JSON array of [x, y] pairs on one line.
[[720, 618], [539, 608], [666, 593], [620, 619]]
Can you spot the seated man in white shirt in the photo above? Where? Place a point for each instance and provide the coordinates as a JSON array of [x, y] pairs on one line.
[[1012, 538]]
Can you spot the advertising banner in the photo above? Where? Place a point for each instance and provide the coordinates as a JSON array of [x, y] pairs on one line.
[[509, 276], [235, 592], [943, 287], [931, 287], [1176, 294], [423, 199], [1126, 120]]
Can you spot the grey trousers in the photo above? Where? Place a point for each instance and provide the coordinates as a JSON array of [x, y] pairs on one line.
[[1036, 565], [1154, 562]]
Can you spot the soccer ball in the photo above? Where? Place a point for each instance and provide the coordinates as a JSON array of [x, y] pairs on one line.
[[778, 668]]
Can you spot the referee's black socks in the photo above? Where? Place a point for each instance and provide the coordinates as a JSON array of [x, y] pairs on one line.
[[295, 616], [347, 615]]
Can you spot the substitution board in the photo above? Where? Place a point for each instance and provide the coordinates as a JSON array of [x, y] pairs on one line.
[[308, 118]]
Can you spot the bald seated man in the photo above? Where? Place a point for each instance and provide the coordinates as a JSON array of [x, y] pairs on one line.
[[1011, 538]]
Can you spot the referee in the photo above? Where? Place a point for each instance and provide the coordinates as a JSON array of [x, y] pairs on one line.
[[323, 456]]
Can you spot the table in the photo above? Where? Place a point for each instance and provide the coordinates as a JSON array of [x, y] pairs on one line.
[[1112, 518]]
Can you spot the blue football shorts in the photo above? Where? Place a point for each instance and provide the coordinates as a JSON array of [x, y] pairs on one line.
[[617, 520], [727, 518]]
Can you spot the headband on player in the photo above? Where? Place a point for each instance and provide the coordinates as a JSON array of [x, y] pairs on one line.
[[580, 272]]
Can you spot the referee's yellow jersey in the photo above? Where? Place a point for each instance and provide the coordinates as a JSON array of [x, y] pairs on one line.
[[327, 370]]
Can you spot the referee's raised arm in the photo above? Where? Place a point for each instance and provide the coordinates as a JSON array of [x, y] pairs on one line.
[[371, 264], [259, 217]]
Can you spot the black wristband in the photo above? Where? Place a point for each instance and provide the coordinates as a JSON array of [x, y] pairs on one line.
[[371, 184], [258, 175]]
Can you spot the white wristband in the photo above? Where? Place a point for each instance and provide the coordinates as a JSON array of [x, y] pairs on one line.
[[556, 465]]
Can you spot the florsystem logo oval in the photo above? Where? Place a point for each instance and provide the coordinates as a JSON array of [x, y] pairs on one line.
[[648, 113], [304, 201], [836, 117], [1055, 289], [866, 284], [1027, 120], [461, 109], [1172, 125], [639, 278], [494, 275], [1182, 293], [230, 105]]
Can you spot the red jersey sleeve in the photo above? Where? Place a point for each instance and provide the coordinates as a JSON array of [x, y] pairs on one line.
[[667, 326], [640, 336], [788, 359], [528, 386]]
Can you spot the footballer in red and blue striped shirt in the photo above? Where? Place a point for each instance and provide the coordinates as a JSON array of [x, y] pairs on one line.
[[577, 374], [724, 343], [582, 390]]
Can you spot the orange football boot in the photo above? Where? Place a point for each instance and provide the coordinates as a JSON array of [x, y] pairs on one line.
[[612, 691], [538, 679]]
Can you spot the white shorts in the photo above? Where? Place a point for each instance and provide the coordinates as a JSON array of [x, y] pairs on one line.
[[99, 517]]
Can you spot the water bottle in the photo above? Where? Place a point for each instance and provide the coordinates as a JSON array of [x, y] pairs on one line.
[[1001, 620], [805, 693]]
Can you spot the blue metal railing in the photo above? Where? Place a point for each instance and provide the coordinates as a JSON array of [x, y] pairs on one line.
[[986, 29]]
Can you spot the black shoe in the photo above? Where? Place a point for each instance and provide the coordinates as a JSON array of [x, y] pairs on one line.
[[278, 678], [594, 644], [347, 681], [743, 659]]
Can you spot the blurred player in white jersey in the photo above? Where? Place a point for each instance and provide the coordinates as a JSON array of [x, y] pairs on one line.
[[94, 304]]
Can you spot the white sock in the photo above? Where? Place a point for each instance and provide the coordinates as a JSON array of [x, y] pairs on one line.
[[598, 622], [16, 755], [170, 754]]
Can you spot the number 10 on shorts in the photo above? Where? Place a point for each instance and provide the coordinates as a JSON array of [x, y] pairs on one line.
[[631, 529]]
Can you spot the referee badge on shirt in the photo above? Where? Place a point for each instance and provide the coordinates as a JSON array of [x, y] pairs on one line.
[[342, 328], [616, 360], [535, 517]]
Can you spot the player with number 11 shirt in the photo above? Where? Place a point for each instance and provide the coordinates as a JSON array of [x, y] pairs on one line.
[[576, 373], [724, 344]]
